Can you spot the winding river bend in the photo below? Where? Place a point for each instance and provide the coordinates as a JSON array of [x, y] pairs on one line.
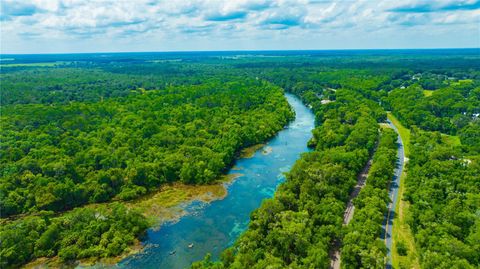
[[212, 227]]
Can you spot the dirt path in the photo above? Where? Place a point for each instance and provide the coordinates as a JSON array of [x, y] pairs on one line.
[[347, 216]]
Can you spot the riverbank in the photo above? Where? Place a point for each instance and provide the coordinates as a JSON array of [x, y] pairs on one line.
[[205, 217], [168, 203], [212, 227], [165, 205]]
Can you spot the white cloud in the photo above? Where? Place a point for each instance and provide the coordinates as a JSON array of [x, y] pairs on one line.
[[81, 25]]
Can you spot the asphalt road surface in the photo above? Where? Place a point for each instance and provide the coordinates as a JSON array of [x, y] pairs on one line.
[[393, 193]]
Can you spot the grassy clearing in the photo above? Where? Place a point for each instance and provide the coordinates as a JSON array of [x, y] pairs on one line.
[[427, 93], [452, 140], [401, 230], [402, 233], [404, 132]]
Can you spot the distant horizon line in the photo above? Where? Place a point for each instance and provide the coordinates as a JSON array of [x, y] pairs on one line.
[[246, 50]]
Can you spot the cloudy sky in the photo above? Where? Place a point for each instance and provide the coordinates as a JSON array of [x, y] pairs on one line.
[[48, 26]]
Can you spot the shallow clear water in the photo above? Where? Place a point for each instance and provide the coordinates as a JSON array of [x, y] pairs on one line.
[[215, 226]]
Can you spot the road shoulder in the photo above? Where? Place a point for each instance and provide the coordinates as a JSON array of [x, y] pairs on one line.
[[401, 230]]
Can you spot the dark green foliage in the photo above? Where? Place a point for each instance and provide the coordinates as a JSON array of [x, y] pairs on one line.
[[402, 248], [448, 109], [81, 233], [470, 136], [91, 82], [444, 191], [74, 136], [272, 238], [57, 157], [295, 229], [362, 247], [93, 131]]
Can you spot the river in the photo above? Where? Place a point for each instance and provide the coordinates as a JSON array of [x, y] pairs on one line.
[[212, 227]]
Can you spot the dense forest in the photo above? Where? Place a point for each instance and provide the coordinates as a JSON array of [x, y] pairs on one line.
[[81, 233], [448, 109], [295, 228], [361, 244], [443, 187], [429, 97], [85, 131], [59, 155]]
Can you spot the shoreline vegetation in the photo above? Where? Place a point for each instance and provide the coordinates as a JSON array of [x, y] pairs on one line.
[[446, 122], [77, 165], [81, 141], [249, 152], [295, 228], [165, 205]]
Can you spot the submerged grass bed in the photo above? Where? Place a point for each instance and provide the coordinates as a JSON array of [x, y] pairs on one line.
[[159, 207], [250, 151], [165, 204]]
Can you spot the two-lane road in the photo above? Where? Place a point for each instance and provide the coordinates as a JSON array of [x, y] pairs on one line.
[[393, 193]]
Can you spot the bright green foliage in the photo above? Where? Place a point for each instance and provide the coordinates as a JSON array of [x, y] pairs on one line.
[[295, 229], [114, 143], [361, 244], [396, 83], [444, 191], [447, 110], [81, 233], [100, 129], [57, 157]]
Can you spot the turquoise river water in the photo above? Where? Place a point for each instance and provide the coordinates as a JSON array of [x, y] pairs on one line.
[[212, 227]]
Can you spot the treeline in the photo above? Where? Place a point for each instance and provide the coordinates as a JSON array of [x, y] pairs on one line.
[[451, 106], [361, 244], [101, 130], [62, 156], [93, 82], [296, 228], [82, 233], [57, 157], [443, 188], [450, 110]]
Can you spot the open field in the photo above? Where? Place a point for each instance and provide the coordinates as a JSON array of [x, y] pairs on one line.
[[404, 132], [453, 140], [427, 93]]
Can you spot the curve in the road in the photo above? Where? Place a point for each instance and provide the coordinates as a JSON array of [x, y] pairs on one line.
[[393, 193]]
